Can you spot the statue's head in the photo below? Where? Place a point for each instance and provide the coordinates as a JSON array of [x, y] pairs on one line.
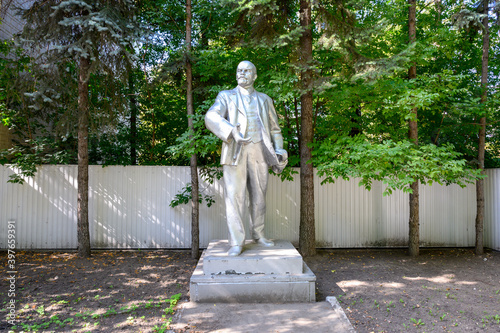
[[246, 74]]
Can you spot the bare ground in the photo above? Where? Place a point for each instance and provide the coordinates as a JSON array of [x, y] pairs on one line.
[[443, 290]]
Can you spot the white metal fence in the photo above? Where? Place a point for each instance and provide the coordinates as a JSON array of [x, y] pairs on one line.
[[129, 208]]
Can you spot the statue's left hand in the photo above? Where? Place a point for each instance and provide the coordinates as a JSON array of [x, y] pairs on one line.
[[282, 154]]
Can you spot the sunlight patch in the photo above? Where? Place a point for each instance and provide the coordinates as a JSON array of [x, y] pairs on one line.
[[352, 284], [393, 285], [437, 279], [344, 285], [468, 283]]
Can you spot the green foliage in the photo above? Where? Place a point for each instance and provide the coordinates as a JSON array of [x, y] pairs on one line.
[[25, 158], [361, 55], [39, 88], [396, 164], [102, 31], [205, 142], [110, 148], [287, 174], [208, 174], [186, 195]]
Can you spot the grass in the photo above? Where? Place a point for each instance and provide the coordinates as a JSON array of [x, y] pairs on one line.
[[89, 318], [417, 322]]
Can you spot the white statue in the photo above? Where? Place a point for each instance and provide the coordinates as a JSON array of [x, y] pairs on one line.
[[247, 123]]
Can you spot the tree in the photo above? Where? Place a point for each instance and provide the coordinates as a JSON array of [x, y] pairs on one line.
[[307, 237], [33, 113], [413, 240], [388, 101], [97, 36], [471, 20], [195, 205], [132, 77], [479, 248]]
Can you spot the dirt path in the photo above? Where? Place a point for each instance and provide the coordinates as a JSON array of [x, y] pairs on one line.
[[133, 291]]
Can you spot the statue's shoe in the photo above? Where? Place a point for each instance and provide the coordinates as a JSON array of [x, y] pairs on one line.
[[264, 241], [234, 251]]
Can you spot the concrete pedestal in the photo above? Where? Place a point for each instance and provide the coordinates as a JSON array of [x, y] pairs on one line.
[[258, 274]]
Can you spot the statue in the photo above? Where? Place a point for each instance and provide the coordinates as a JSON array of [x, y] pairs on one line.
[[247, 123]]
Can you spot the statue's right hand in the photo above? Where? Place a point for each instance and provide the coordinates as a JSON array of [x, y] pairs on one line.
[[238, 137]]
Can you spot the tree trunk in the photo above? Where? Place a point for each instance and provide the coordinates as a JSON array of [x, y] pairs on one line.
[[414, 222], [83, 234], [133, 118], [307, 232], [195, 205], [355, 128], [482, 134]]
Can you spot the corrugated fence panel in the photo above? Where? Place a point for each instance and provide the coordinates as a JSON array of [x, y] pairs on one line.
[[492, 209], [344, 214], [447, 215], [129, 208], [393, 226], [43, 208], [283, 209], [212, 219]]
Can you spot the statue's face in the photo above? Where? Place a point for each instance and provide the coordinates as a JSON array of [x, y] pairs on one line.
[[246, 74]]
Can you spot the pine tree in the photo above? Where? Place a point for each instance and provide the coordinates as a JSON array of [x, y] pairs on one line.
[[97, 36]]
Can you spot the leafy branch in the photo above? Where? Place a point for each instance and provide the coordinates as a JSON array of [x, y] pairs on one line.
[[396, 164], [185, 196], [25, 158]]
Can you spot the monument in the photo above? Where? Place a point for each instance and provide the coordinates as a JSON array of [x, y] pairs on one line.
[[259, 269], [246, 160]]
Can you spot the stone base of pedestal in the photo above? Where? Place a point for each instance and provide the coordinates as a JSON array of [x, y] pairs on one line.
[[259, 274]]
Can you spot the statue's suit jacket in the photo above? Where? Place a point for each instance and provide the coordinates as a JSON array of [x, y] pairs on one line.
[[228, 111]]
